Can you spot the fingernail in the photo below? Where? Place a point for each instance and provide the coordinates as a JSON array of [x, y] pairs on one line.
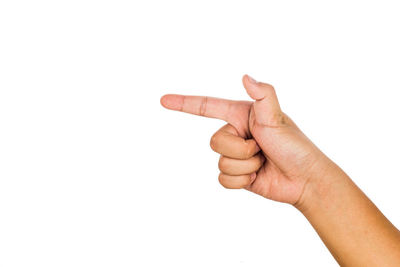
[[251, 79], [253, 176]]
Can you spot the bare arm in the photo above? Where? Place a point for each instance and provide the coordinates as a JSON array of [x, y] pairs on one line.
[[262, 150], [351, 226]]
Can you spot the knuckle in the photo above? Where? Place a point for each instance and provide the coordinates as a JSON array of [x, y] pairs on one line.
[[222, 180], [223, 164], [214, 141], [203, 106]]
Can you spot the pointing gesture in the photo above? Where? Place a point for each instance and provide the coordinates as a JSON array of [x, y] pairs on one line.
[[261, 149]]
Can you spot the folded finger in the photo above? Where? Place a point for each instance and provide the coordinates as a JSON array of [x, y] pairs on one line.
[[240, 166], [227, 142], [235, 181]]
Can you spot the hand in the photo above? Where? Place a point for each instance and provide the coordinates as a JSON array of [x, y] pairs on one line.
[[262, 149]]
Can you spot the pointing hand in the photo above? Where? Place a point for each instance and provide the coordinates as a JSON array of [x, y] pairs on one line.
[[262, 150]]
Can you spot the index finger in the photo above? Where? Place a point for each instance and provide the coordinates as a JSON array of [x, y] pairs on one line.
[[206, 106]]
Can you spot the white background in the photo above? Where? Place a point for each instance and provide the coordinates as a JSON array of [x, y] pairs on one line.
[[94, 172]]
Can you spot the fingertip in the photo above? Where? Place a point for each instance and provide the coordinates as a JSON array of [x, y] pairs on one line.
[[162, 100], [171, 101], [253, 177], [244, 78], [257, 90], [252, 87]]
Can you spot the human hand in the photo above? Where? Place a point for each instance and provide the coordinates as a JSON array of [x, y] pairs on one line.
[[262, 150]]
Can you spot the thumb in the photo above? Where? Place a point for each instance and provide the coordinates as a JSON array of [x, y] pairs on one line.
[[266, 106]]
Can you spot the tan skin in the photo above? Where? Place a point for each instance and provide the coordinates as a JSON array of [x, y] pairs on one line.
[[262, 150]]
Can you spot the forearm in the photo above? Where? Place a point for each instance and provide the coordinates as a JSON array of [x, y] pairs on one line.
[[350, 225]]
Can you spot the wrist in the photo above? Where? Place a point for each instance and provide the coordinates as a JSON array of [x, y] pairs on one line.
[[325, 178], [349, 224]]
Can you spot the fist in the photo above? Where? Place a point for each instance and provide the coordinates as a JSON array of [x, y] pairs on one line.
[[240, 158]]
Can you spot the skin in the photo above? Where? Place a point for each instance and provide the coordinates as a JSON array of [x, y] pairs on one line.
[[262, 150]]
